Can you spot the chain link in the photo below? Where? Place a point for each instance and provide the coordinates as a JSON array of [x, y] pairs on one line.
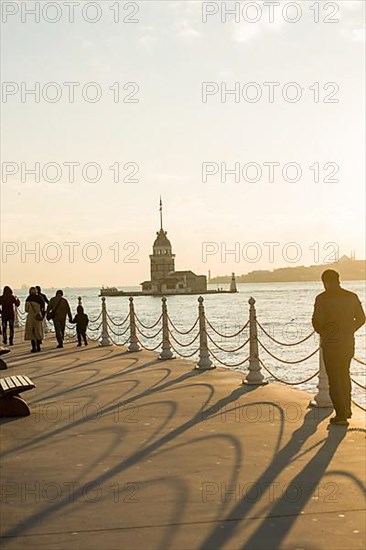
[[96, 328], [283, 360], [358, 384], [182, 355], [227, 335], [149, 349], [96, 319], [358, 405], [149, 337], [147, 327], [285, 381], [117, 324], [183, 332], [118, 344], [283, 343], [180, 343], [228, 350], [117, 333]]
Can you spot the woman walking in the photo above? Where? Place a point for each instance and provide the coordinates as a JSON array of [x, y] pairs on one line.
[[35, 308]]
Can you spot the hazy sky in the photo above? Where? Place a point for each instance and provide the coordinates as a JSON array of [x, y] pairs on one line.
[[170, 132]]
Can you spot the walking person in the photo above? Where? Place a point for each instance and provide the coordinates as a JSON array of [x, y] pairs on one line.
[[338, 314], [57, 310], [8, 302], [35, 309], [82, 321]]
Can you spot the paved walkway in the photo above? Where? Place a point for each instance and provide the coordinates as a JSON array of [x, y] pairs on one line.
[[123, 451]]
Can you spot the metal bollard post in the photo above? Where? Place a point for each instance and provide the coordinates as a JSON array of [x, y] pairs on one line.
[[166, 352], [134, 345], [204, 362], [254, 376], [322, 398], [46, 329], [105, 341]]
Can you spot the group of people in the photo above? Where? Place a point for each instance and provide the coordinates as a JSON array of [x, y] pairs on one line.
[[38, 308]]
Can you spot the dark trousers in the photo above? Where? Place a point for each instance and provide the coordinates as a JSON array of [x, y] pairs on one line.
[[36, 345], [337, 363], [11, 330], [59, 325], [81, 334]]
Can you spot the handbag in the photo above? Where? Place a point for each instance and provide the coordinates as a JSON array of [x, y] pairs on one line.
[[51, 314], [38, 316]]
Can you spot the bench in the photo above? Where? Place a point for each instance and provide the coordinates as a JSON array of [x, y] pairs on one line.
[[10, 402], [3, 351]]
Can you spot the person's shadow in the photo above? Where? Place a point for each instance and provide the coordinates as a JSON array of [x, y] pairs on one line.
[[300, 489]]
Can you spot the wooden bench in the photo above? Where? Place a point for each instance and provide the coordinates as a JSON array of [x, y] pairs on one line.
[[3, 351], [10, 402]]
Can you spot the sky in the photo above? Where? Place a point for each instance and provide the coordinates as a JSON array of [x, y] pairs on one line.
[[153, 122]]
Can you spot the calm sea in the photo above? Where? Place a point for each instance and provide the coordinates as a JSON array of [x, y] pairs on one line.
[[283, 309]]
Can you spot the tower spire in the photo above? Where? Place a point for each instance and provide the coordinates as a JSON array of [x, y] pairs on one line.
[[161, 214]]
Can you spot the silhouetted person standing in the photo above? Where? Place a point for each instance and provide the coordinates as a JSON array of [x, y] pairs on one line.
[[338, 314], [7, 302], [57, 310]]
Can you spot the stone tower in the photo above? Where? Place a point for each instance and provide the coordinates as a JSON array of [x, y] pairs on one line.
[[162, 258], [233, 283]]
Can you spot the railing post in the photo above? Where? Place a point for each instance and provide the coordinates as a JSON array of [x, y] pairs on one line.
[[105, 341], [80, 301], [322, 398], [133, 345], [46, 329], [204, 362], [254, 376], [166, 352]]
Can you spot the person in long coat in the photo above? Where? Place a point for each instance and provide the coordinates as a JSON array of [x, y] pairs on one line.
[[35, 309]]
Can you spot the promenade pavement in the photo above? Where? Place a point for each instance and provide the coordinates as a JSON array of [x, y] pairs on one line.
[[123, 451]]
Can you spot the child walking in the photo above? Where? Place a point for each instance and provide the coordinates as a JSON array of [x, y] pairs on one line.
[[81, 320]]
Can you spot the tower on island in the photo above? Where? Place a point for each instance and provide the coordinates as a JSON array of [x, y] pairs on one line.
[[233, 283], [164, 278], [162, 258]]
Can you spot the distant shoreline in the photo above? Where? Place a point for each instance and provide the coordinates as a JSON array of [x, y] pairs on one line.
[[349, 270], [97, 288], [224, 281]]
